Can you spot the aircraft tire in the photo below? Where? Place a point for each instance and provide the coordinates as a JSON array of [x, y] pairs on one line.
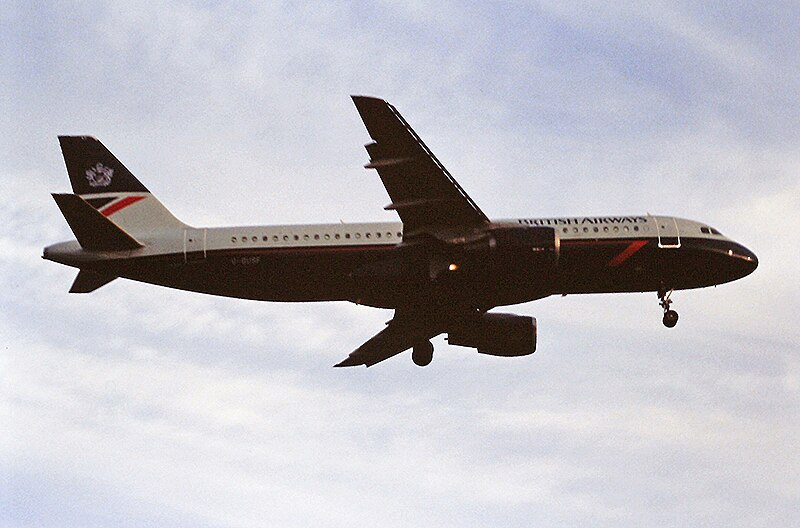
[[422, 354], [670, 318]]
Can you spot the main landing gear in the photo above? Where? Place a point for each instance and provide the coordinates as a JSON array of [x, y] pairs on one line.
[[422, 353], [670, 316]]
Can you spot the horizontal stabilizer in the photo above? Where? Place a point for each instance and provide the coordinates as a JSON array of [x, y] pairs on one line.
[[94, 231], [88, 281]]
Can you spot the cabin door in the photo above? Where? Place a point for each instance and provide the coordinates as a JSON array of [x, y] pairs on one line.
[[668, 234], [194, 244]]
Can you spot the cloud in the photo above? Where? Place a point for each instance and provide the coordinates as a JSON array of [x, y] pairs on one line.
[[163, 407]]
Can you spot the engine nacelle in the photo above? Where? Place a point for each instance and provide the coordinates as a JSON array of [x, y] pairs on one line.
[[497, 334]]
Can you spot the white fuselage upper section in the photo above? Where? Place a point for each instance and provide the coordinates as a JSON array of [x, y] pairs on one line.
[[390, 233], [188, 239]]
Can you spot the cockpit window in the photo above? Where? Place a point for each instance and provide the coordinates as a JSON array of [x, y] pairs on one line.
[[709, 231]]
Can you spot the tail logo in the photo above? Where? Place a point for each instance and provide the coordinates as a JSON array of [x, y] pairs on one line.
[[99, 175]]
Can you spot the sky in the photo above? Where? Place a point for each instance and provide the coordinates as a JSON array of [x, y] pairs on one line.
[[142, 406]]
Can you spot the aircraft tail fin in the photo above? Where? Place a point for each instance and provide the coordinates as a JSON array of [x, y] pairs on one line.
[[109, 187], [93, 230], [88, 281]]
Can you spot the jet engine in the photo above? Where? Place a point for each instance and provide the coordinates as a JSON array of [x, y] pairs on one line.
[[497, 334]]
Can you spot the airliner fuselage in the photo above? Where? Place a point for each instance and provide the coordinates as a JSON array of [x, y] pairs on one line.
[[368, 263], [442, 268]]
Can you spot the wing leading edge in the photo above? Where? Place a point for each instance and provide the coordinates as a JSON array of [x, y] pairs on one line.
[[423, 192]]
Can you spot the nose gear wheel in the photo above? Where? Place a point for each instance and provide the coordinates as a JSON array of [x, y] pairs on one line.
[[670, 316]]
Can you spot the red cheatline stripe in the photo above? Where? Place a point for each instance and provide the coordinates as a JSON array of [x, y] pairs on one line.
[[121, 204], [627, 253]]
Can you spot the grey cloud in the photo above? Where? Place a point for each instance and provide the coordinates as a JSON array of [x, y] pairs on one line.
[[168, 408]]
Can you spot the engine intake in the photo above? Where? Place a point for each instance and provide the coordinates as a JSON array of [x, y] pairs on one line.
[[497, 334]]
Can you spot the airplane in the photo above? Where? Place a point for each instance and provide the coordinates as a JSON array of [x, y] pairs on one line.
[[442, 268]]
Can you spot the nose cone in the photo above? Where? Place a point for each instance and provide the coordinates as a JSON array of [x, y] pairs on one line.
[[744, 260], [712, 261]]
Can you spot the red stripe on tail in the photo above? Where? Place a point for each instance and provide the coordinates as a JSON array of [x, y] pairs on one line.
[[121, 204]]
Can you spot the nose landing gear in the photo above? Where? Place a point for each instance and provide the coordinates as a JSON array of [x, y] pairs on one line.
[[670, 316]]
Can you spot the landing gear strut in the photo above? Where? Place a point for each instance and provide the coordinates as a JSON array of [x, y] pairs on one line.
[[422, 353], [670, 316]]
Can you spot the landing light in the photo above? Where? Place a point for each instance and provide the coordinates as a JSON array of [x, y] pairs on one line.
[[453, 267]]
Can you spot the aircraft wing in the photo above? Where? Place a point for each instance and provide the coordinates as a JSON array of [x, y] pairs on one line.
[[423, 193], [400, 334]]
